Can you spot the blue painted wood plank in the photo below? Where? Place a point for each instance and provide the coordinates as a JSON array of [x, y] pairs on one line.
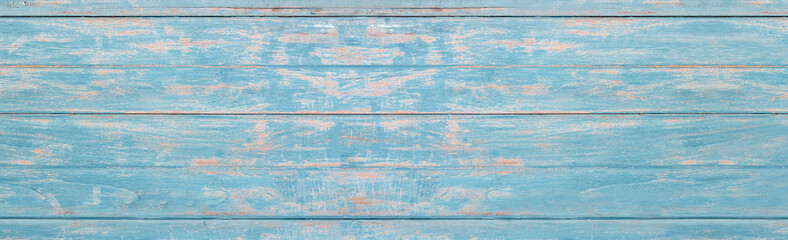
[[295, 142], [359, 229], [239, 192], [395, 8], [470, 42], [393, 90]]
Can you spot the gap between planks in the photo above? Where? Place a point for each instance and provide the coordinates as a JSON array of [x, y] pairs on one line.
[[398, 168], [394, 66], [392, 113], [393, 16], [397, 218]]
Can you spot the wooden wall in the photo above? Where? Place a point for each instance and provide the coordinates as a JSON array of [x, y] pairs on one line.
[[355, 119]]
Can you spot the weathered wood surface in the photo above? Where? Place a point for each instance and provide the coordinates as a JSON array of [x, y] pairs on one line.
[[395, 8], [469, 42], [251, 119], [435, 229], [393, 90], [229, 192], [295, 142]]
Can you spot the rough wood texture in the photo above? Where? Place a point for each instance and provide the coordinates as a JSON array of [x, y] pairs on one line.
[[436, 229], [469, 42], [228, 192], [294, 142], [411, 119], [395, 8], [393, 90]]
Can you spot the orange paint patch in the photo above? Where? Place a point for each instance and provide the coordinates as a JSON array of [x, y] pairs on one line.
[[360, 201], [760, 2], [690, 162], [205, 162], [319, 225], [727, 162], [508, 162], [309, 164], [42, 153], [22, 162]]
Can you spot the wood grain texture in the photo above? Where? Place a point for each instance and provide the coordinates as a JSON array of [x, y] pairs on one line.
[[295, 142], [229, 192], [412, 119], [393, 90], [470, 42], [222, 229], [395, 8]]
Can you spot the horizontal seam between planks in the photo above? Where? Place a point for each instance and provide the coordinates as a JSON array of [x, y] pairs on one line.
[[393, 218], [391, 113], [398, 66], [392, 16], [349, 167]]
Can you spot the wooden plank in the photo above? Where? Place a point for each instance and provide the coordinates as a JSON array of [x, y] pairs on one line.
[[491, 229], [515, 192], [393, 90], [395, 8], [285, 142], [293, 142], [475, 42]]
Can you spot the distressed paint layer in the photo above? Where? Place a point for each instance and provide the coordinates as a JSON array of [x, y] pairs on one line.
[[393, 89], [359, 229], [432, 142], [231, 192], [392, 41]]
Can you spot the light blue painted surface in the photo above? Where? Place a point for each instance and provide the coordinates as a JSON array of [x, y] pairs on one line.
[[414, 89], [238, 192], [427, 158], [484, 229], [284, 142], [470, 42]]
